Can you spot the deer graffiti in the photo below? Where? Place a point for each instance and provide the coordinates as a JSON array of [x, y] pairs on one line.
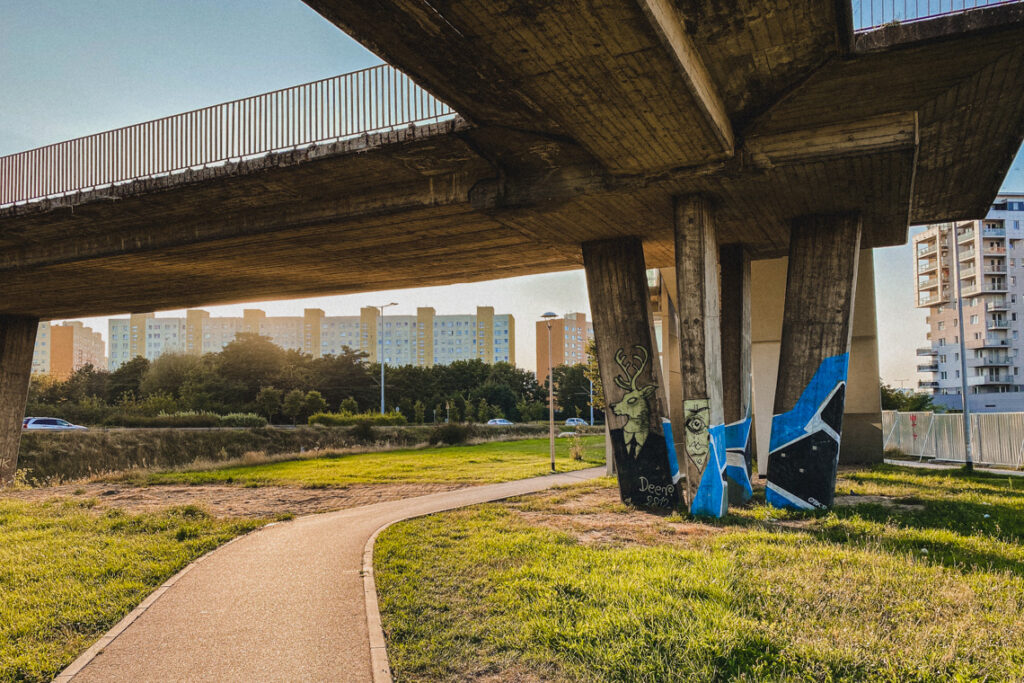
[[635, 405]]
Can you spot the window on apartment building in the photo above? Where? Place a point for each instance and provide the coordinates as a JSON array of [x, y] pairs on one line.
[[956, 356], [974, 320], [958, 374], [942, 358], [942, 324]]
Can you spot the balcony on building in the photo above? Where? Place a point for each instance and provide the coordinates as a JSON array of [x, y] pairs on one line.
[[967, 254], [995, 361], [927, 384], [990, 379], [994, 250], [993, 232], [969, 290], [928, 283], [930, 300], [997, 287], [967, 272], [927, 247], [988, 343], [928, 367], [997, 269], [997, 305], [965, 236], [998, 324], [927, 265], [926, 351]]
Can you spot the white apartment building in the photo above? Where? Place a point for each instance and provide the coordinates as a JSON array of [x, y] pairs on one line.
[[423, 339], [991, 260]]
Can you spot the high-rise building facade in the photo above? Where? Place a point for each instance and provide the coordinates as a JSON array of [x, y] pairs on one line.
[[423, 339], [62, 349], [991, 261], [569, 337]]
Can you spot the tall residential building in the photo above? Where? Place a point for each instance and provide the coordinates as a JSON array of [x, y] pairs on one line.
[[423, 339], [991, 257], [62, 349], [569, 337]]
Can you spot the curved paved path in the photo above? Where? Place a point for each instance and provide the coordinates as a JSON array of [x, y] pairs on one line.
[[284, 603]]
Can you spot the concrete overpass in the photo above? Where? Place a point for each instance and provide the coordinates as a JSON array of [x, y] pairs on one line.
[[628, 134]]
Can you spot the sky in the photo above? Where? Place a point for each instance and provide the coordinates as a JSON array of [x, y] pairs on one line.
[[70, 68]]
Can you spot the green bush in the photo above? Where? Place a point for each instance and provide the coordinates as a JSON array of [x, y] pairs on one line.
[[248, 420], [451, 434], [363, 432], [183, 419], [347, 419]]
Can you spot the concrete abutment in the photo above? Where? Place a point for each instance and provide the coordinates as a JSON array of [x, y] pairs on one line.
[[17, 342]]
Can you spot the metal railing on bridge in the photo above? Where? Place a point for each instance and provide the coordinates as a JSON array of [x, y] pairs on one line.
[[868, 14], [372, 100]]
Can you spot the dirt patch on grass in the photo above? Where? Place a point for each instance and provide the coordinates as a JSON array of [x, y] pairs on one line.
[[230, 501], [884, 501], [595, 516]]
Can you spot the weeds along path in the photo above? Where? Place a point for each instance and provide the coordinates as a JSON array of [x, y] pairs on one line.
[[284, 603]]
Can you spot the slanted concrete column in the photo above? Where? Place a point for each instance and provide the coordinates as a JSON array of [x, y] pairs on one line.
[[702, 443], [736, 371], [17, 342], [814, 357], [630, 373]]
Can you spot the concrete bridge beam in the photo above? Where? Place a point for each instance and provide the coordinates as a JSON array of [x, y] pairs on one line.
[[700, 350], [810, 391], [17, 341], [627, 355]]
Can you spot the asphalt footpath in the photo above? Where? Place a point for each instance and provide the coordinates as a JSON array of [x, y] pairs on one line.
[[285, 603]]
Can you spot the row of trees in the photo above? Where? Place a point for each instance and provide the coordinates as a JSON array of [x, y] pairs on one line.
[[252, 374]]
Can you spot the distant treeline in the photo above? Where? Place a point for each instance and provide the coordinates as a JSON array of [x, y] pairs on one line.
[[251, 375]]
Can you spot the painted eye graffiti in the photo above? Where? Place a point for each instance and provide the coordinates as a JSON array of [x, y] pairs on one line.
[[696, 424]]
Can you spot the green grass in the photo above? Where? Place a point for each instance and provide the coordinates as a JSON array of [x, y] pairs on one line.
[[483, 463], [68, 573], [868, 592]]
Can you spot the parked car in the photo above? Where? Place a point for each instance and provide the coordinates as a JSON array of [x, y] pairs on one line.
[[51, 424], [500, 421], [576, 422]]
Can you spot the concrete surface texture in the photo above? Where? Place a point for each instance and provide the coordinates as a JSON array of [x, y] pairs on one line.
[[282, 604]]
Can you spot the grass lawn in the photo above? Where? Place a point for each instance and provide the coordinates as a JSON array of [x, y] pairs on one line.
[[68, 573], [483, 463], [920, 577]]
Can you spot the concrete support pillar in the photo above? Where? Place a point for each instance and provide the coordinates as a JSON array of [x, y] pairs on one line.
[[736, 371], [630, 373], [810, 389], [17, 341], [700, 364]]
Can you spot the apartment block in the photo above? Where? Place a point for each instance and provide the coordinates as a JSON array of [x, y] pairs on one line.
[[62, 349], [423, 339], [569, 337], [990, 253]]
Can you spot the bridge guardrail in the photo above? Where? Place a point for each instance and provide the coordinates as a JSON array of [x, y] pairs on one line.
[[869, 14], [371, 100]]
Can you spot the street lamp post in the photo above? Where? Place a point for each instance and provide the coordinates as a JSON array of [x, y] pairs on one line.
[[551, 392], [380, 359]]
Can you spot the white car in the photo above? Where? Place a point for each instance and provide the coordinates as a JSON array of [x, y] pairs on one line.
[[575, 422], [500, 421], [50, 424]]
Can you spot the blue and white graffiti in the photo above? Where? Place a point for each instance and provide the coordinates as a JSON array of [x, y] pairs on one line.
[[804, 452], [738, 460]]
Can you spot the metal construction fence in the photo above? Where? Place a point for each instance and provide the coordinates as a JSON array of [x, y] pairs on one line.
[[998, 438], [868, 14], [372, 100]]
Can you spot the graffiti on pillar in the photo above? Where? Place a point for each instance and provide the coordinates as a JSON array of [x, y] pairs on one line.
[[641, 453], [704, 446], [739, 459], [804, 453]]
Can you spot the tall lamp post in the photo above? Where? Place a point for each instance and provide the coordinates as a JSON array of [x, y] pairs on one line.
[[380, 359], [551, 392]]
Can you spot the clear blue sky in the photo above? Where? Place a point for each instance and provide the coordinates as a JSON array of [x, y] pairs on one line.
[[72, 68]]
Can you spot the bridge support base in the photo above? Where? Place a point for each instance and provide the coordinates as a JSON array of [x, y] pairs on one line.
[[810, 392], [700, 365], [736, 372], [636, 410], [17, 342]]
